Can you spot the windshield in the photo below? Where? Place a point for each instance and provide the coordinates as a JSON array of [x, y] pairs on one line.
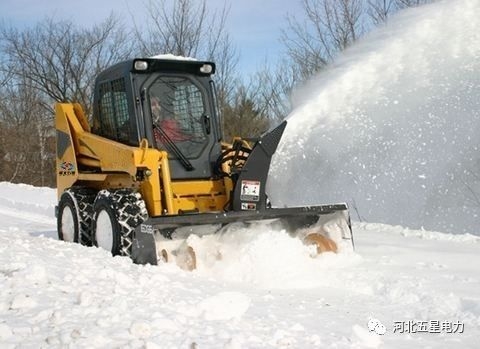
[[177, 108]]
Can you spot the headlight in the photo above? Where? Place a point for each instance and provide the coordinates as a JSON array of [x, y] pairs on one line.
[[141, 65], [206, 69]]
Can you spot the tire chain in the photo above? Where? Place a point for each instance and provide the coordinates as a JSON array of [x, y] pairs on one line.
[[84, 199], [131, 211]]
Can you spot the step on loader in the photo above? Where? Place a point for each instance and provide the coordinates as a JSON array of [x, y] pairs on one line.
[[152, 168]]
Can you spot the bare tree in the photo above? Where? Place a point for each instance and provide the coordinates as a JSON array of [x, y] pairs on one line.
[[183, 28], [188, 28], [179, 29], [27, 138], [5, 74], [313, 41], [470, 180], [271, 88], [53, 61], [330, 26], [243, 118], [60, 60], [380, 10], [226, 79], [412, 3]]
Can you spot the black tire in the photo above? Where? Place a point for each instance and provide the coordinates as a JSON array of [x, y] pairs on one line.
[[67, 218], [80, 203], [116, 215], [85, 198]]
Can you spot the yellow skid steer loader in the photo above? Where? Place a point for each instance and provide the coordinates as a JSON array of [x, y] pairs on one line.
[[152, 168]]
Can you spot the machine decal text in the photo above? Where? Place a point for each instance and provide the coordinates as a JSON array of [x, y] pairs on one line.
[[250, 191]]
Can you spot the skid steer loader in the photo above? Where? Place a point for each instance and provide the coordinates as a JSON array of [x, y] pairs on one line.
[[152, 168]]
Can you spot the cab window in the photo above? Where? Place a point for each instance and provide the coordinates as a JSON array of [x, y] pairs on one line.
[[177, 107], [112, 120]]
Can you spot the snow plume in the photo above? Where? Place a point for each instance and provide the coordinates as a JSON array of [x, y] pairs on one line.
[[393, 127]]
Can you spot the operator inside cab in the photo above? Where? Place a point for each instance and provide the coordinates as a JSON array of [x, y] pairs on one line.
[[167, 122], [177, 109]]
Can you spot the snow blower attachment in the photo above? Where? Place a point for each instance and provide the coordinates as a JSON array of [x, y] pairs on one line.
[[152, 169]]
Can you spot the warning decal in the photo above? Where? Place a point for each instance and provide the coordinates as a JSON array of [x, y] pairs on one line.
[[250, 191], [250, 206]]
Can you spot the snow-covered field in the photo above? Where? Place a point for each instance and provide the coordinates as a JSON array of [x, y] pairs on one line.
[[270, 295]]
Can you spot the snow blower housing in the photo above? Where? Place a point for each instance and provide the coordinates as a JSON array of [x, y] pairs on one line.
[[153, 163]]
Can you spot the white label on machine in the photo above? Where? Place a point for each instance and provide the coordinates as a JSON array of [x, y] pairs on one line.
[[250, 191], [249, 206], [146, 229]]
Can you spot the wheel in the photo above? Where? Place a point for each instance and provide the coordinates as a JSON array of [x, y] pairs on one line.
[[116, 215], [75, 211], [85, 198], [105, 228], [67, 218]]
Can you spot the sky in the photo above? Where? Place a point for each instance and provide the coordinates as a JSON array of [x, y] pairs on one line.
[[255, 26]]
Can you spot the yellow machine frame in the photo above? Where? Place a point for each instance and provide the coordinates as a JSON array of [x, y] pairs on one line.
[[93, 161]]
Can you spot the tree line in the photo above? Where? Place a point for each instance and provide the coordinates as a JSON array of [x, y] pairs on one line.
[[58, 60]]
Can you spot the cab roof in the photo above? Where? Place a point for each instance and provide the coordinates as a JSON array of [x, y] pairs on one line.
[[153, 64]]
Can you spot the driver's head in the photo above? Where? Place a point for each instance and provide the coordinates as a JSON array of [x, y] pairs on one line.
[[156, 108]]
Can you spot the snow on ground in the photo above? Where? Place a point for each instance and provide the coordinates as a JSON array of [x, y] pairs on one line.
[[269, 294]]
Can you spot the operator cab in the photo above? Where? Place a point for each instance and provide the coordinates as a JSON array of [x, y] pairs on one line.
[[171, 103]]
